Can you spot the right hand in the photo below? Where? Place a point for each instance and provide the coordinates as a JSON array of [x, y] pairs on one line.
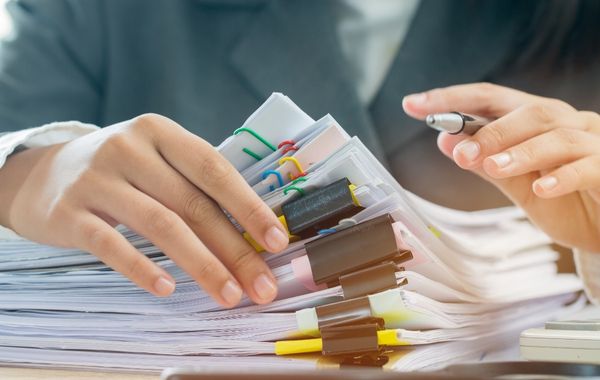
[[161, 181]]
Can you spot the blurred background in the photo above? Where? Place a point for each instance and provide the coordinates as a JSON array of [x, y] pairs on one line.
[[4, 20]]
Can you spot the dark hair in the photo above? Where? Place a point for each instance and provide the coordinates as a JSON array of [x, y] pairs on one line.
[[561, 33]]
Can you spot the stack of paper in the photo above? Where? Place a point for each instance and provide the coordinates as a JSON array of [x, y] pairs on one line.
[[470, 283]]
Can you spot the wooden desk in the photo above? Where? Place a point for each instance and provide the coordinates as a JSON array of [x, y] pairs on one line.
[[52, 374]]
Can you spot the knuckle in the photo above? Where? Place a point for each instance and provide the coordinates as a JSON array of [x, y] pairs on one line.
[[494, 136], [591, 119], [87, 179], [526, 153], [209, 269], [486, 87], [540, 112], [159, 222], [243, 260], [575, 174], [485, 91], [98, 240], [147, 120], [199, 209], [560, 104], [116, 144], [568, 138], [216, 171], [135, 268], [257, 214]]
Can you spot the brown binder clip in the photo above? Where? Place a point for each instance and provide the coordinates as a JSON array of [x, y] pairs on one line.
[[363, 259], [354, 342]]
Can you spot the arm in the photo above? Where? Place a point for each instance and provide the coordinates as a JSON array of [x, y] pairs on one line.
[[76, 182]]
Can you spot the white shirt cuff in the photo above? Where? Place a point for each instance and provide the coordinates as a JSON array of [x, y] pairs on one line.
[[49, 134], [588, 268]]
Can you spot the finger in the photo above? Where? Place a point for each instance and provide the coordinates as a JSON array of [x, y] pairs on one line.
[[168, 232], [160, 181], [549, 150], [446, 142], [516, 127], [203, 166], [97, 237], [483, 99], [580, 175]]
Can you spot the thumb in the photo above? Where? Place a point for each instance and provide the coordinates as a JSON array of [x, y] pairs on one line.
[[483, 99]]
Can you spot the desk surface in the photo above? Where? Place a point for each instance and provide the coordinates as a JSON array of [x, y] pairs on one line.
[[51, 374]]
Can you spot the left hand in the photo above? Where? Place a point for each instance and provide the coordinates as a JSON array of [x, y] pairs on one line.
[[541, 152]]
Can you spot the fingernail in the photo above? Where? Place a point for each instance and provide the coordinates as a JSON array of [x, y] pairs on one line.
[[231, 293], [163, 286], [502, 160], [276, 240], [416, 99], [547, 183], [468, 149], [265, 288]]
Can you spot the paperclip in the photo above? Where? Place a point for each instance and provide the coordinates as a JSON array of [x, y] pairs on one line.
[[291, 146], [284, 143], [296, 163], [300, 179], [277, 174], [297, 180], [252, 154], [326, 231], [287, 189], [258, 137]]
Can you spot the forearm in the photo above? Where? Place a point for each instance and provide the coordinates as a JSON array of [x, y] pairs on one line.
[[12, 175]]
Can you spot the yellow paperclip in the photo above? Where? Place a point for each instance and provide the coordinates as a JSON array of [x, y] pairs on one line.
[[296, 163]]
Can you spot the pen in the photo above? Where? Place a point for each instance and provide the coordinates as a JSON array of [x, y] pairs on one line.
[[456, 122]]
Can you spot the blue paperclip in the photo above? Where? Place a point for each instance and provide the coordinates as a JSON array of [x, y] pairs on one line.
[[326, 231], [277, 174]]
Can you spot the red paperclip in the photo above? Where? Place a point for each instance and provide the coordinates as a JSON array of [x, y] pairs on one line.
[[291, 146], [285, 142]]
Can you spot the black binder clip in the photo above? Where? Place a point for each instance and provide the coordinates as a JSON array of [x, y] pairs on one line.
[[320, 209]]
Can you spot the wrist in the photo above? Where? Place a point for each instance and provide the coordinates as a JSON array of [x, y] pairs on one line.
[[12, 176]]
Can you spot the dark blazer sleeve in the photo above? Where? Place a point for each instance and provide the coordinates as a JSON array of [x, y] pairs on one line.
[[51, 64]]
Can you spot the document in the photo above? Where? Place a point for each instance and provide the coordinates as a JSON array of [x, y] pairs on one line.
[[373, 273]]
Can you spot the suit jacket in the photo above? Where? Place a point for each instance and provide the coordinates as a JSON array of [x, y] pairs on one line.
[[209, 64]]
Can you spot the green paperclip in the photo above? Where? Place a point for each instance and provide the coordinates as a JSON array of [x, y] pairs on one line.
[[292, 187], [299, 179], [257, 136], [252, 154]]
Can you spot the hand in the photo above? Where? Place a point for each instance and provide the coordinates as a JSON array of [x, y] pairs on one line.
[[161, 181], [542, 153]]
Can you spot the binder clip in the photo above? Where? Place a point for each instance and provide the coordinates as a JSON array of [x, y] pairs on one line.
[[355, 343], [362, 259], [321, 209], [350, 334]]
